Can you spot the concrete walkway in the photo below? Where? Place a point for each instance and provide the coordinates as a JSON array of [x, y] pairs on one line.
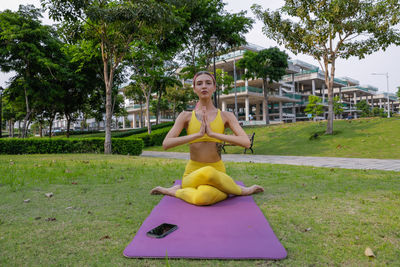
[[329, 162]]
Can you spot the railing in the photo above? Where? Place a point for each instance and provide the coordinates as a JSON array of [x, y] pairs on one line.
[[230, 55], [135, 106], [365, 89], [289, 77], [254, 89], [241, 89], [292, 95]]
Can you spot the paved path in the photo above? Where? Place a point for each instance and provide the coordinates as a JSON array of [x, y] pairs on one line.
[[330, 162]]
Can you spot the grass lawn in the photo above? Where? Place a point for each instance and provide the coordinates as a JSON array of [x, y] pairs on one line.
[[100, 202], [361, 138]]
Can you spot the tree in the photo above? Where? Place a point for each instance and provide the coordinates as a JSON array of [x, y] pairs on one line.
[[268, 64], [31, 50], [8, 114], [115, 25], [179, 97], [167, 79], [147, 67], [207, 18], [224, 80], [378, 112], [135, 93], [364, 107], [327, 30], [337, 106], [159, 105], [314, 107]]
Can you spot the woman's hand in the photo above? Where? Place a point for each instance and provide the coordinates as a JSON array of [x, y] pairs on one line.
[[209, 131], [203, 127]]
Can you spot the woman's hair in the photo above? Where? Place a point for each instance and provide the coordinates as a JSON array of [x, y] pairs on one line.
[[201, 73]]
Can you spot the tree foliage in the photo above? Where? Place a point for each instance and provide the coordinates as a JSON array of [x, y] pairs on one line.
[[179, 97], [327, 30], [337, 106], [135, 93], [268, 64], [364, 107], [314, 107], [208, 18], [114, 25], [33, 52], [224, 81]]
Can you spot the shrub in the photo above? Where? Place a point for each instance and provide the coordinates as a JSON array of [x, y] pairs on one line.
[[156, 137], [364, 107], [142, 130], [63, 145], [72, 132]]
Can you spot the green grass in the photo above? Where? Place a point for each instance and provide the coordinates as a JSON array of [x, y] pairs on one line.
[[361, 138], [100, 202]]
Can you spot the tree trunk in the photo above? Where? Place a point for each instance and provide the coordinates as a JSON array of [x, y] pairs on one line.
[[158, 105], [28, 124], [265, 89], [330, 79], [107, 143], [28, 114], [40, 130], [68, 124], [141, 115], [19, 129], [25, 124], [50, 127], [148, 95], [108, 80]]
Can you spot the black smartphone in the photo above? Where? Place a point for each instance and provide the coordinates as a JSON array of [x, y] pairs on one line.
[[162, 230]]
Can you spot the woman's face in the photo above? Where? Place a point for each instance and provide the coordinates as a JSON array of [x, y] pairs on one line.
[[204, 86]]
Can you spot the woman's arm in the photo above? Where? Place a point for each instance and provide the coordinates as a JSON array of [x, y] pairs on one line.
[[240, 138], [173, 139]]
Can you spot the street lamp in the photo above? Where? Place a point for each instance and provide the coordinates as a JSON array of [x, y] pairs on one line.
[[213, 43], [387, 87], [1, 112]]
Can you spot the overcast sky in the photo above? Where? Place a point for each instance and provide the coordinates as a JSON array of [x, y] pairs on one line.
[[379, 62]]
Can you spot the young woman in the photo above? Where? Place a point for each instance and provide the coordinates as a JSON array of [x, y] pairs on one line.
[[205, 181]]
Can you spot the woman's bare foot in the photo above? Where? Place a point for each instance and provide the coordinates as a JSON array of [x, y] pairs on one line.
[[165, 191], [251, 190]]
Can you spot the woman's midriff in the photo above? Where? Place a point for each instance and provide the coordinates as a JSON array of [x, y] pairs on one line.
[[204, 152]]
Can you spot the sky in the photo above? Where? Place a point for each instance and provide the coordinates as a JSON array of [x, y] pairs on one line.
[[378, 62]]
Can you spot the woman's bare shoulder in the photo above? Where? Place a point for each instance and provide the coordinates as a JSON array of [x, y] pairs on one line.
[[184, 116], [227, 116]]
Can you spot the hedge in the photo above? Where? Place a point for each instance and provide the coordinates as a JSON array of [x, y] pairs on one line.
[[156, 137], [131, 146], [143, 130], [117, 133]]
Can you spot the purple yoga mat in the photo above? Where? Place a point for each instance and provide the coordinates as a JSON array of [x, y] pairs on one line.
[[232, 229]]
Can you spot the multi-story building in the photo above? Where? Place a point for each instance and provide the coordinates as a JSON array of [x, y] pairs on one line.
[[288, 98]]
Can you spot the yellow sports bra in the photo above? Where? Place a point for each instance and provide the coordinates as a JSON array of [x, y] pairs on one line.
[[217, 125]]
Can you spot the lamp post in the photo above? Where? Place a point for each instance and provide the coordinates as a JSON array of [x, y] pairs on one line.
[[213, 43], [1, 112], [387, 88]]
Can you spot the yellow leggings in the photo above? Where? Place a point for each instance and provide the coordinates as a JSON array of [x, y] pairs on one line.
[[206, 183]]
